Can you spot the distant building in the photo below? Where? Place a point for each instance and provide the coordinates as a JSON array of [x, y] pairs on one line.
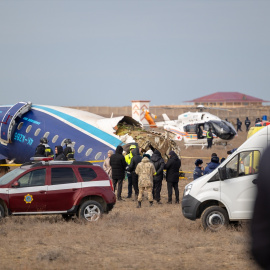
[[228, 99]]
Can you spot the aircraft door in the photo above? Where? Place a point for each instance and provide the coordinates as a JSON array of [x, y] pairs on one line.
[[8, 121]]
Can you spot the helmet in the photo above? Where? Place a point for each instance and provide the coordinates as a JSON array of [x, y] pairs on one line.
[[198, 162], [132, 146], [43, 140], [67, 141]]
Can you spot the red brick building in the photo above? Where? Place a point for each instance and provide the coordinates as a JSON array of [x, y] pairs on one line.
[[228, 99]]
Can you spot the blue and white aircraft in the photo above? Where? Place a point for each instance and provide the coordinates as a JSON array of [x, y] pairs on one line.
[[23, 124]]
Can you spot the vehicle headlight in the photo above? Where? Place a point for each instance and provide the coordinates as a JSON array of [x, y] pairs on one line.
[[187, 189]]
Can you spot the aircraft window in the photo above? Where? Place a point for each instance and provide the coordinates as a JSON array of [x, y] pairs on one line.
[[98, 155], [80, 148], [20, 126], [28, 129], [88, 152], [46, 134], [55, 138], [37, 131]]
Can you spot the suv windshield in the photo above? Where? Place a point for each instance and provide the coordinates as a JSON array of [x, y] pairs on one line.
[[5, 179]]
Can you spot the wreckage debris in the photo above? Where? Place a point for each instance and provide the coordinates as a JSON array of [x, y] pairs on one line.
[[147, 139]]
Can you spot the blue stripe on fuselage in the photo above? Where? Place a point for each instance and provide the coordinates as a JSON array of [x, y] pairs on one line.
[[85, 126]]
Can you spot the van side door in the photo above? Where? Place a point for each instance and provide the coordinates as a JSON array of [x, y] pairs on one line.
[[238, 190]]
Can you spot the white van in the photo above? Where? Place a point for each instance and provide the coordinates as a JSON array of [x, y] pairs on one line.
[[227, 193]]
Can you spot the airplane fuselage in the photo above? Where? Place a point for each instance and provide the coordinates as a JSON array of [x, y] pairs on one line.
[[57, 124]]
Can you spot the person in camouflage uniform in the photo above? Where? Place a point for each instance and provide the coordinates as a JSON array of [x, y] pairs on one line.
[[145, 170]]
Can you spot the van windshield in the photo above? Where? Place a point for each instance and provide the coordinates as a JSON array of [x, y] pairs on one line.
[[5, 179]]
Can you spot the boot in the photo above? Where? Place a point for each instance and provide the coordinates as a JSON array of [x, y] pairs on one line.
[[139, 205], [151, 203]]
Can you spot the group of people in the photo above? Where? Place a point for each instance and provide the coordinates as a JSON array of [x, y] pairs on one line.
[[247, 123], [60, 153], [212, 165], [144, 173]]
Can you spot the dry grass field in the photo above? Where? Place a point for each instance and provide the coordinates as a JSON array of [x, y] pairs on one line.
[[157, 237]]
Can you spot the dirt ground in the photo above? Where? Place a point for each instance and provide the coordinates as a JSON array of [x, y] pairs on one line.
[[156, 237]]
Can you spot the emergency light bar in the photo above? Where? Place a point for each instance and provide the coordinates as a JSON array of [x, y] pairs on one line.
[[41, 158]]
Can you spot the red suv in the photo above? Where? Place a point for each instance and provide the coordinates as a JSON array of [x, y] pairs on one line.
[[57, 187]]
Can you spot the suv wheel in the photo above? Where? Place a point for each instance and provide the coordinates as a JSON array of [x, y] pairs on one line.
[[2, 212], [214, 218], [90, 211]]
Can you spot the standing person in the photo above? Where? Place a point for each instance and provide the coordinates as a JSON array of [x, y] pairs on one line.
[[260, 225], [213, 164], [199, 170], [247, 123], [159, 164], [106, 164], [238, 124], [209, 136], [128, 158], [118, 164], [145, 171], [69, 149], [40, 150], [48, 149], [59, 154], [136, 159], [172, 176]]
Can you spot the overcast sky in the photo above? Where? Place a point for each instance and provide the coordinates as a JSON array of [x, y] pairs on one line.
[[107, 53]]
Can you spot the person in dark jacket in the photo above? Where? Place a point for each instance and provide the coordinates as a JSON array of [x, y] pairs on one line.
[[59, 153], [213, 164], [238, 124], [40, 150], [198, 171], [136, 159], [158, 176], [69, 149], [118, 164], [247, 123], [260, 224], [172, 176]]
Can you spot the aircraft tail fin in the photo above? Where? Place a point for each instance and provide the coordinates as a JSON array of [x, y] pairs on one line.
[[166, 117]]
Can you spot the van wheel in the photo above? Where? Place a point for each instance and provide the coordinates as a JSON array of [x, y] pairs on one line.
[[214, 218], [2, 212], [90, 211]]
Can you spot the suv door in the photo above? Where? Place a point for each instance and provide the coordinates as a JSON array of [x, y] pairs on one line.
[[30, 195], [238, 191], [63, 189]]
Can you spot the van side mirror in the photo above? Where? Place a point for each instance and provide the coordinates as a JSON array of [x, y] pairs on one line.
[[15, 184], [222, 173]]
